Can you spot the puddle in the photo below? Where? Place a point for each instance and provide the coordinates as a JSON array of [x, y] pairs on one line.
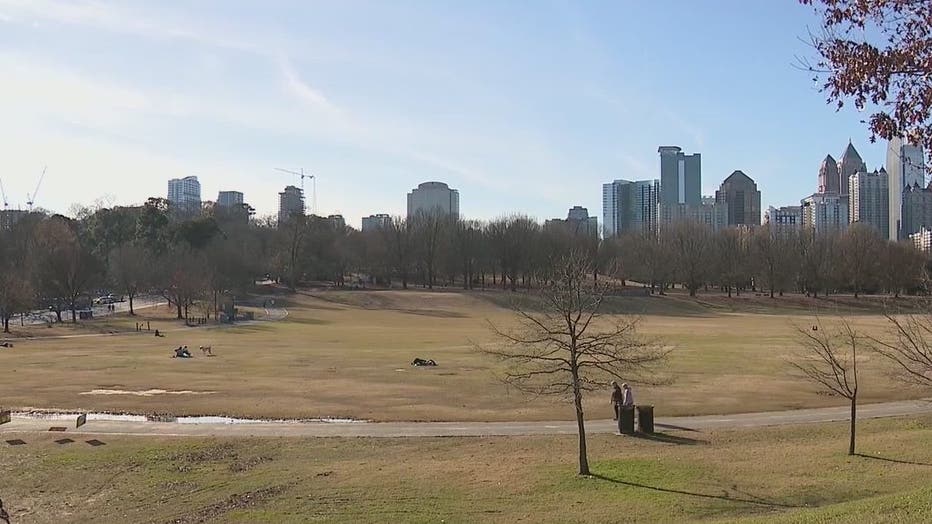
[[144, 393], [116, 417]]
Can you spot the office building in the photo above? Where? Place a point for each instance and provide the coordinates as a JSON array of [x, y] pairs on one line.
[[828, 176], [434, 197], [905, 168], [578, 222], [708, 212], [825, 212], [375, 222], [739, 194], [680, 176], [922, 239], [917, 209], [337, 222], [290, 202], [185, 193], [630, 207], [869, 200], [849, 164], [230, 199], [786, 221]]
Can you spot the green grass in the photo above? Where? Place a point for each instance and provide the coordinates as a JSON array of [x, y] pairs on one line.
[[789, 474]]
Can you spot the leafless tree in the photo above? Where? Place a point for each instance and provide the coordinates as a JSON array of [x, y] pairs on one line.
[[692, 249], [130, 269], [908, 345], [567, 347], [831, 360], [860, 250]]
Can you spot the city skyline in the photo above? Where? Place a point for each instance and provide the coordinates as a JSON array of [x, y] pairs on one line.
[[196, 100]]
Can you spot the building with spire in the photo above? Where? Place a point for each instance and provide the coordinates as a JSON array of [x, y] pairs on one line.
[[828, 176], [849, 164], [739, 194]]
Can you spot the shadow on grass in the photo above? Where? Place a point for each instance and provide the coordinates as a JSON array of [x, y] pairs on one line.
[[677, 428], [895, 461], [744, 498], [667, 438]]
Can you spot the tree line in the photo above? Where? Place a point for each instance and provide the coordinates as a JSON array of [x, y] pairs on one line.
[[55, 262]]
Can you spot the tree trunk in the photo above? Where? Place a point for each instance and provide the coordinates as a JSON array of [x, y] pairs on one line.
[[74, 314], [132, 312], [854, 421], [581, 425], [6, 324], [178, 306]]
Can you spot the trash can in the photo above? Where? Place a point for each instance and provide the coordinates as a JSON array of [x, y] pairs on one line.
[[626, 420], [646, 419]]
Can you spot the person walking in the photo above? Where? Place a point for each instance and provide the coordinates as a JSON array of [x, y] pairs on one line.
[[617, 399], [627, 396]]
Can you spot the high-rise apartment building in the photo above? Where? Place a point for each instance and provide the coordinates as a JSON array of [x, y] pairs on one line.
[[375, 222], [229, 199], [905, 168], [922, 239], [824, 212], [336, 222], [185, 193], [680, 176], [741, 198], [849, 164], [917, 209], [434, 197], [786, 221], [708, 212], [869, 200], [290, 203], [630, 207]]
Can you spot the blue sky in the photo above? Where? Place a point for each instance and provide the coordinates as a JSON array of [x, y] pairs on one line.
[[522, 106]]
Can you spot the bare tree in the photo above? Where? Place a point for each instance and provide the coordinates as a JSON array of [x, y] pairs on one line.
[[908, 345], [568, 347], [860, 249], [831, 360], [129, 270], [64, 267], [693, 249]]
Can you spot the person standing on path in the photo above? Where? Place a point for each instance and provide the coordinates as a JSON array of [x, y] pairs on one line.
[[617, 399], [627, 396]]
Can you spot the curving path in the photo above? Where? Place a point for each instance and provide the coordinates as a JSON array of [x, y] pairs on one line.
[[466, 429]]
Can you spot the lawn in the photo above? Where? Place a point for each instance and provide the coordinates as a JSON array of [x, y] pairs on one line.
[[788, 474], [347, 354]]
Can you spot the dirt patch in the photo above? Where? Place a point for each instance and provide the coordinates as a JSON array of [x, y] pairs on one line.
[[242, 465], [144, 393], [186, 461], [234, 502]]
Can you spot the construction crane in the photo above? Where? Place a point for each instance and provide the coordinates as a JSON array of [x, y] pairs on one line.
[[30, 200], [313, 185], [6, 203]]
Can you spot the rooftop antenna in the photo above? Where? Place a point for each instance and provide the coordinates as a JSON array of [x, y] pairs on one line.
[[30, 200], [6, 203], [313, 186]]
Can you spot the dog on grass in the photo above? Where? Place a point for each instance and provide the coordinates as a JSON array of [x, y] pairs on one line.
[[207, 351]]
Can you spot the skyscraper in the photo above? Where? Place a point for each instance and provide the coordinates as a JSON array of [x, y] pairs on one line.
[[905, 168], [290, 202], [680, 176], [229, 199], [869, 199], [849, 164], [742, 199], [917, 209], [434, 197], [828, 176], [578, 222], [185, 193], [630, 207]]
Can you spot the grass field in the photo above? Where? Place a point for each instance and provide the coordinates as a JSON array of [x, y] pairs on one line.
[[347, 354], [790, 474]]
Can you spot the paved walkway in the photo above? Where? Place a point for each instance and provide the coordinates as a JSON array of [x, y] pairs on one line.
[[465, 429]]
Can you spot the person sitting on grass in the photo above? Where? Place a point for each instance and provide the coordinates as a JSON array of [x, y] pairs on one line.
[[182, 352]]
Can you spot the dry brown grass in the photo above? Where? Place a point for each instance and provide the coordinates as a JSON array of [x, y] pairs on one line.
[[347, 354]]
